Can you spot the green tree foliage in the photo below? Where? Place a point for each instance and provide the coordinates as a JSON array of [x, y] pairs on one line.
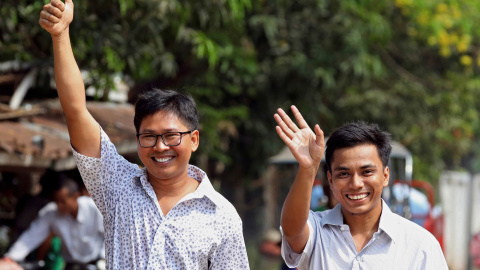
[[374, 61], [200, 46], [410, 66]]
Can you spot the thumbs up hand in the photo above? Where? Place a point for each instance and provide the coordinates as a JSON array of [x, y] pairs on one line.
[[56, 17]]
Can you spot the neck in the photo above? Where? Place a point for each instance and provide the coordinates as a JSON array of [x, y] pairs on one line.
[[74, 213], [174, 187], [364, 224]]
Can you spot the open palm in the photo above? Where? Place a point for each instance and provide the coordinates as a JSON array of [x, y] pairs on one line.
[[305, 145]]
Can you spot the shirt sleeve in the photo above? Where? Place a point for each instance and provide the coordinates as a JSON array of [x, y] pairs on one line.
[[293, 259], [232, 254], [104, 176], [33, 236]]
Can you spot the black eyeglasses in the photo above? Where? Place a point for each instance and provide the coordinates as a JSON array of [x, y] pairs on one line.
[[168, 138]]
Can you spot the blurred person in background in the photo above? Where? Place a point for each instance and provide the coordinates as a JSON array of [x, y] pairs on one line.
[[28, 206], [74, 219]]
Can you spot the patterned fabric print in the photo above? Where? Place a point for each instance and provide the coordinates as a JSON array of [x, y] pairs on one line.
[[202, 229]]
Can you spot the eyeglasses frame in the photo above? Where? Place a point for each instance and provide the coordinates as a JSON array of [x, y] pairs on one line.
[[161, 136]]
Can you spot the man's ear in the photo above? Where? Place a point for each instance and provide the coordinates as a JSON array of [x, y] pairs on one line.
[[195, 138], [386, 175], [329, 177]]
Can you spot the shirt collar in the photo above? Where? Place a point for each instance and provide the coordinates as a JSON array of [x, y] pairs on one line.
[[334, 216], [204, 189], [387, 223]]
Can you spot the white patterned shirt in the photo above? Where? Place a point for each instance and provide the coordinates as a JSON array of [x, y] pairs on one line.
[[398, 244], [202, 231], [82, 237]]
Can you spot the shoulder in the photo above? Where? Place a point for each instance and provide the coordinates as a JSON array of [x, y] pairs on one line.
[[49, 209], [224, 207], [411, 233], [212, 198], [319, 215], [221, 211], [86, 201], [320, 218]]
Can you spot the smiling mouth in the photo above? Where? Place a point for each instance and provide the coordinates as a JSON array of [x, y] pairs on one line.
[[161, 160], [357, 196]]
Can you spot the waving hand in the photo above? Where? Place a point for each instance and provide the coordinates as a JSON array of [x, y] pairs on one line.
[[305, 145]]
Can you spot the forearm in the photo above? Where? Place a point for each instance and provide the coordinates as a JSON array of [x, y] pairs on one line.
[[296, 209], [83, 129], [70, 86], [18, 251], [30, 239]]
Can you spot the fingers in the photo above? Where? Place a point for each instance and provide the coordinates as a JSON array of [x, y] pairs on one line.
[[45, 23], [319, 136], [52, 13], [49, 17], [288, 122], [281, 124], [298, 116], [58, 4], [282, 135]]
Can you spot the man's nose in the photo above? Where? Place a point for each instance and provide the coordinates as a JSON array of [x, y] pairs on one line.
[[160, 145], [357, 181]]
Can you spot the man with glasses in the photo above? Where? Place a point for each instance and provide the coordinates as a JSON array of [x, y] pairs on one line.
[[167, 215]]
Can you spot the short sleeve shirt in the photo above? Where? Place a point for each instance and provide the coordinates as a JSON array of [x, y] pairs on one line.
[[202, 231], [398, 243]]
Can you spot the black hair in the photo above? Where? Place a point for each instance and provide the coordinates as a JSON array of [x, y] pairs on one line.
[[48, 182], [66, 182], [357, 133], [155, 100]]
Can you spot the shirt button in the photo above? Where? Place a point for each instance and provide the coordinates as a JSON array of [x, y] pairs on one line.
[[357, 258]]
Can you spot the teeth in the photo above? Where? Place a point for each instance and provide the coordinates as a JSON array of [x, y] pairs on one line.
[[357, 197], [163, 159]]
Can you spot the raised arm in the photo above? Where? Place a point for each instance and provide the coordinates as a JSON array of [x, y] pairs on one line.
[[307, 147], [83, 129]]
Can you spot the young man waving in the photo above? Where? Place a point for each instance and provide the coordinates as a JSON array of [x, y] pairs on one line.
[[360, 232]]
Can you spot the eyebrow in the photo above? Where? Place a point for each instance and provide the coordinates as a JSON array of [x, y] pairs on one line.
[[344, 168], [165, 131], [368, 166], [341, 168]]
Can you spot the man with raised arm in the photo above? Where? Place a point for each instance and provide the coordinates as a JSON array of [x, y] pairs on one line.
[[360, 232], [167, 215]]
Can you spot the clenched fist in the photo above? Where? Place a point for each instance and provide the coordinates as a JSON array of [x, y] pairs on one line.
[[56, 16]]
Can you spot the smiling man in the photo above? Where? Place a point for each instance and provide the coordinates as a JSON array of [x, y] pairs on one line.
[[360, 232], [166, 215]]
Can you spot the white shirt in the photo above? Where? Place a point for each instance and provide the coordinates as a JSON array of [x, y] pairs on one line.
[[82, 238], [203, 229], [398, 244]]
